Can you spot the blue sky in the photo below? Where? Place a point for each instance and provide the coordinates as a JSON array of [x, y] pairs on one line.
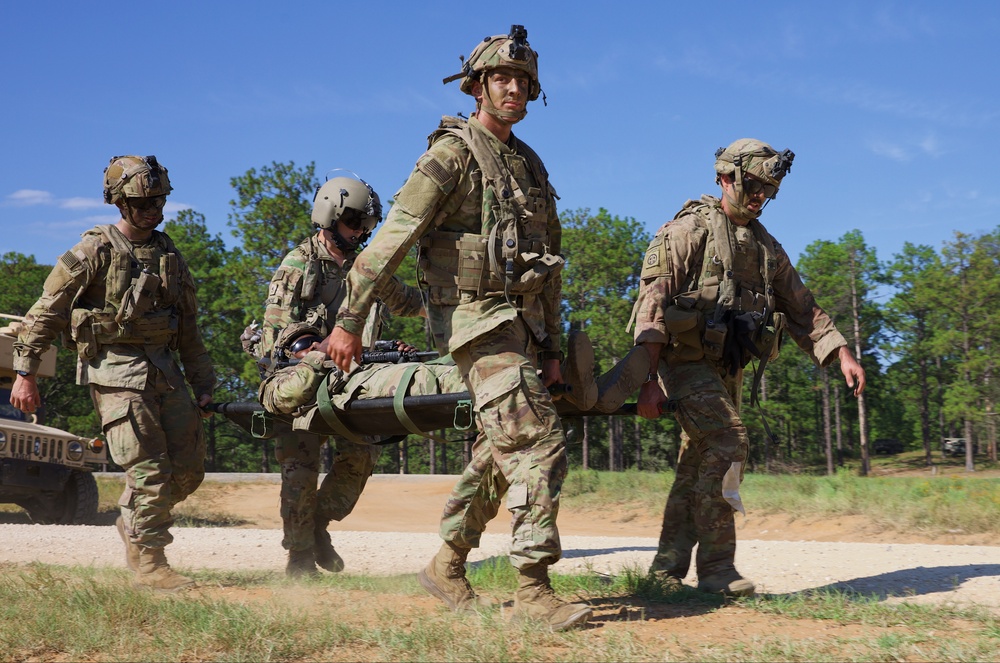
[[890, 107]]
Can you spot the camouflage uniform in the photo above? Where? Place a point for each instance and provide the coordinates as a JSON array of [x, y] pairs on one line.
[[310, 286], [684, 277], [494, 332], [153, 428]]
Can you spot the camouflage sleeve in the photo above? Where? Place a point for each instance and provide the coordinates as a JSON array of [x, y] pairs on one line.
[[281, 308], [809, 325], [294, 386], [402, 300], [414, 206], [552, 294], [672, 256], [198, 368], [50, 315]]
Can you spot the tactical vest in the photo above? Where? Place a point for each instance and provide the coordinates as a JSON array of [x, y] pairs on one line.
[[142, 288], [323, 291], [510, 255], [735, 275]]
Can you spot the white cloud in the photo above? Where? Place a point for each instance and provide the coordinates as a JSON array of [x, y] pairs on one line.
[[81, 203], [26, 197], [889, 150], [930, 145]]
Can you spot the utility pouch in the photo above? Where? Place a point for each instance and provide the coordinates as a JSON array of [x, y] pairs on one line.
[[769, 341], [138, 298], [172, 285], [683, 325], [81, 331], [533, 279], [714, 339]]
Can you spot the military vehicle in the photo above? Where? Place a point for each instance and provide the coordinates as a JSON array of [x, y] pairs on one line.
[[44, 470], [955, 446]]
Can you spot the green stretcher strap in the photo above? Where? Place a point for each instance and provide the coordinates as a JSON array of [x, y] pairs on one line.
[[397, 404], [329, 414]]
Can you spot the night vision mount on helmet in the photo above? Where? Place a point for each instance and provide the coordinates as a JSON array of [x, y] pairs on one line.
[[748, 156], [511, 51]]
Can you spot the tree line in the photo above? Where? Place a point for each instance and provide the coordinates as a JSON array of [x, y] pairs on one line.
[[921, 322]]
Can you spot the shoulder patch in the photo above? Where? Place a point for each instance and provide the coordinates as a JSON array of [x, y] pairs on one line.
[[430, 166], [70, 261], [657, 261]]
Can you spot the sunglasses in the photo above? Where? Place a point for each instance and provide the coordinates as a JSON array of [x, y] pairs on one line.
[[356, 220], [753, 187], [148, 203]]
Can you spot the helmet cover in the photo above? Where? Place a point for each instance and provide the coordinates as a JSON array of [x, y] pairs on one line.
[[134, 177], [511, 50]]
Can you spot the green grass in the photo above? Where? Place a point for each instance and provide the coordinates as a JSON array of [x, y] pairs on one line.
[[57, 613], [952, 503]]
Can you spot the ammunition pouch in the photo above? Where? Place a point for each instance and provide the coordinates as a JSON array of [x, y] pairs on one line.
[[90, 330], [138, 298], [459, 263]]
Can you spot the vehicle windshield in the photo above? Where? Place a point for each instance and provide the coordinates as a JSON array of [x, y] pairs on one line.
[[8, 411]]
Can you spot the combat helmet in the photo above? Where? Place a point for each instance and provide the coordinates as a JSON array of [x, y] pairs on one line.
[[134, 177], [511, 50], [294, 338], [351, 201], [750, 156]]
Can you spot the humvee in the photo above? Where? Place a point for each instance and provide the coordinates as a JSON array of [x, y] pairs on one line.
[[44, 470]]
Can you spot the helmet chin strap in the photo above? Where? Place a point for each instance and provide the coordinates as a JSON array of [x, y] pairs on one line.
[[344, 244], [736, 203]]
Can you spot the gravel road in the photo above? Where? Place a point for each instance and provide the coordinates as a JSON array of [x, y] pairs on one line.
[[918, 573]]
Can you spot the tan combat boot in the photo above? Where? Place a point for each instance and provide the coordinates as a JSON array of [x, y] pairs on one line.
[[301, 563], [536, 600], [131, 549], [445, 578], [326, 556], [155, 573], [624, 378], [667, 581], [578, 371], [729, 583]]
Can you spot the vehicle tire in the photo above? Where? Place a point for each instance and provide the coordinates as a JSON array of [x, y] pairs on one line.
[[75, 505]]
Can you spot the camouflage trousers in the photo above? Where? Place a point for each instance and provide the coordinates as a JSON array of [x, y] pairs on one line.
[[303, 506], [155, 434], [714, 446], [520, 451]]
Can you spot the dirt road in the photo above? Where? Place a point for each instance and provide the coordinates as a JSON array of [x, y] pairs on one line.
[[393, 530]]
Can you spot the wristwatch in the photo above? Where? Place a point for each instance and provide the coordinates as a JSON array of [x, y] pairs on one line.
[[23, 374], [651, 377]]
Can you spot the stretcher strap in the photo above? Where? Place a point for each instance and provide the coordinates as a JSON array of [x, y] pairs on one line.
[[397, 404], [329, 414]]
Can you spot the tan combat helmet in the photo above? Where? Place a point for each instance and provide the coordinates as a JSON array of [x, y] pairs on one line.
[[756, 158], [510, 50], [135, 177]]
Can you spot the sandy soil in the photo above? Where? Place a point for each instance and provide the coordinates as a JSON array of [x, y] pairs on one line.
[[393, 530]]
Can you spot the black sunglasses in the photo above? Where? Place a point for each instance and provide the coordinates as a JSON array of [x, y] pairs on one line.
[[146, 203], [753, 187]]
